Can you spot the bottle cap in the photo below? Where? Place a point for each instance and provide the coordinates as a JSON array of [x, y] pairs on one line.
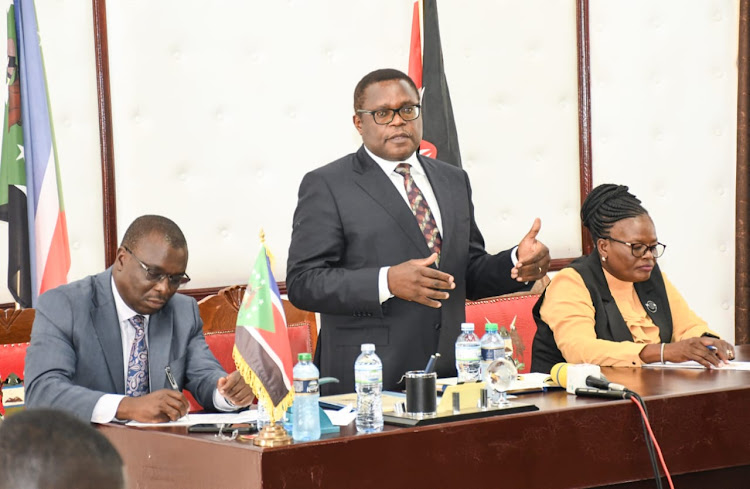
[[367, 347], [304, 357], [490, 327], [467, 326]]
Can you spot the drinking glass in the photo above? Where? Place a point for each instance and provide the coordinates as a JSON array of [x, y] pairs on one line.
[[501, 373]]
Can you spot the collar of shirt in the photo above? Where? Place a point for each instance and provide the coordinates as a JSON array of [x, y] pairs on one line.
[[124, 312], [420, 179], [390, 166]]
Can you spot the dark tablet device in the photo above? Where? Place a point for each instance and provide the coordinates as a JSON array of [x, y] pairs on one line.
[[242, 428]]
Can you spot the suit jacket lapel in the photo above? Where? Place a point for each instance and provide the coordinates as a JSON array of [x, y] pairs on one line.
[[159, 346], [442, 187], [107, 329], [372, 180]]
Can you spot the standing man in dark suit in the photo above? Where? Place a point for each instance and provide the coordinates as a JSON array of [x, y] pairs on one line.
[[384, 244], [104, 347]]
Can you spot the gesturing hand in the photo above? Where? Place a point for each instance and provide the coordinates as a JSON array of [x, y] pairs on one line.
[[415, 281], [533, 256]]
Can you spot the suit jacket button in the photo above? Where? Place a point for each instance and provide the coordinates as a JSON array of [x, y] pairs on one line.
[[437, 326]]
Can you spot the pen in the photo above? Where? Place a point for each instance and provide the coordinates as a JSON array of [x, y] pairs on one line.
[[431, 363], [170, 378]]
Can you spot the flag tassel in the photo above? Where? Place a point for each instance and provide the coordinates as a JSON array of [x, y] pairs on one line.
[[256, 384]]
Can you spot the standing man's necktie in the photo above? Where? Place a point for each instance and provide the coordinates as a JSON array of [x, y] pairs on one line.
[[420, 209], [138, 362]]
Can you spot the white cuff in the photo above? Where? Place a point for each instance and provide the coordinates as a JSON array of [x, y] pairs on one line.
[[384, 293], [221, 403], [514, 255], [105, 409]]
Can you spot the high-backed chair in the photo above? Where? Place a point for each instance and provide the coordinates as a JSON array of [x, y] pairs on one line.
[[15, 334], [219, 314]]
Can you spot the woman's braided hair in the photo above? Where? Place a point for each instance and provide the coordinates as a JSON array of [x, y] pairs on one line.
[[607, 204]]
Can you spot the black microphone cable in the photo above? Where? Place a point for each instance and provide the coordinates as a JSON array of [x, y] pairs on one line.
[[604, 388], [651, 444]]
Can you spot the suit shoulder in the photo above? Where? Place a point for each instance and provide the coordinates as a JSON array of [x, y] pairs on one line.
[[73, 291], [335, 167]]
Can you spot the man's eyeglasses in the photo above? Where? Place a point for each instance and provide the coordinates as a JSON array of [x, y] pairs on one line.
[[175, 281], [640, 249], [386, 116]]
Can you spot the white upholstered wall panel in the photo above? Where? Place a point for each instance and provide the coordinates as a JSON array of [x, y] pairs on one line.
[[664, 95], [221, 107], [221, 118], [68, 46]]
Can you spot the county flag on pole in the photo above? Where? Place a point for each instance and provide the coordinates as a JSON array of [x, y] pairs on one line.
[[13, 179], [261, 345], [439, 139], [49, 251]]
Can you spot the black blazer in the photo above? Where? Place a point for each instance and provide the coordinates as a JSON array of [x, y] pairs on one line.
[[350, 221]]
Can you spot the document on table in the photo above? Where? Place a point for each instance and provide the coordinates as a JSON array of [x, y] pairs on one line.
[[693, 364], [524, 383], [248, 416]]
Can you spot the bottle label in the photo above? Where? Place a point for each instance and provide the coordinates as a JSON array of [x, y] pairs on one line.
[[305, 386], [467, 354], [490, 354], [368, 375]]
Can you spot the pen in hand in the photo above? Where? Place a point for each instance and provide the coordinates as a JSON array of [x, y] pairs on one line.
[[170, 378]]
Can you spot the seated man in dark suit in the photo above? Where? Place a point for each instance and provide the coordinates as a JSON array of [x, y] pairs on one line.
[[50, 449], [120, 345], [385, 246]]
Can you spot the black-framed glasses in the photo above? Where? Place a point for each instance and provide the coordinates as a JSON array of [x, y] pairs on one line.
[[640, 249], [386, 116], [175, 281]]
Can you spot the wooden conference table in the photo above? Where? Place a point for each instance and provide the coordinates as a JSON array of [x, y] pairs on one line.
[[701, 419]]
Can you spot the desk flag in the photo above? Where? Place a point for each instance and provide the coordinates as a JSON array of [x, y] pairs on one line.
[[261, 346], [30, 165], [440, 139]]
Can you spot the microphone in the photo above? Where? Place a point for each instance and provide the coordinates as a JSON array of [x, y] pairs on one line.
[[603, 383], [606, 394], [573, 376]]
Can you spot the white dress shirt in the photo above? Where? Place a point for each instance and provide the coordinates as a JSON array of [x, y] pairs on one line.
[[106, 407], [421, 180]]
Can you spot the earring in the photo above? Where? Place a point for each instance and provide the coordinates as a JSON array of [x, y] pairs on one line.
[[604, 258]]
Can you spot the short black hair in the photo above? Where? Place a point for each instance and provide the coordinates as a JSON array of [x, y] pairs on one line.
[[377, 76], [145, 225], [52, 449], [607, 204]]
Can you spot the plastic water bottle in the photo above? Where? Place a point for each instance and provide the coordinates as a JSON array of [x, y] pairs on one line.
[[306, 418], [467, 354], [493, 348], [368, 380], [264, 419]]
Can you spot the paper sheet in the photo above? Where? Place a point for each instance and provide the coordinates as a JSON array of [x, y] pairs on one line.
[[693, 364], [531, 382], [208, 418]]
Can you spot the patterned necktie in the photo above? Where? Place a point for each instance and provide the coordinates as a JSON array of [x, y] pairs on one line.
[[420, 209], [138, 361]]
